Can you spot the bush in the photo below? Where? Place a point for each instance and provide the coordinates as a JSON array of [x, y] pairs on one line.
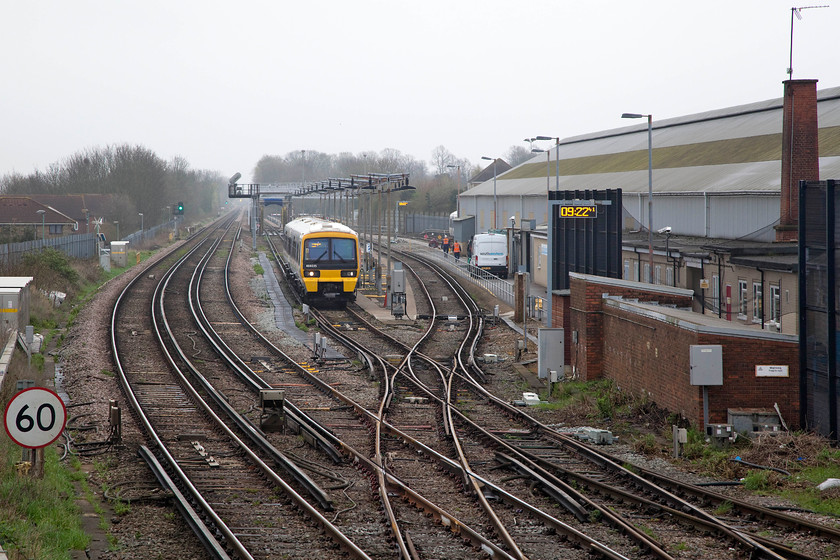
[[757, 481], [52, 269]]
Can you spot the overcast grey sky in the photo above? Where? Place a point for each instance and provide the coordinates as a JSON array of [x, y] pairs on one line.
[[222, 83]]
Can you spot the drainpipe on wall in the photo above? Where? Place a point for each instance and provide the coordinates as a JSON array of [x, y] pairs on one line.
[[763, 298], [720, 285], [639, 259]]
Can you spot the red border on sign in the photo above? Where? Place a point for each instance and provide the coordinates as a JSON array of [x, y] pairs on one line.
[[63, 424]]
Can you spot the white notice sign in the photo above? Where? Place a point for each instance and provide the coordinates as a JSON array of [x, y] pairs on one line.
[[771, 371]]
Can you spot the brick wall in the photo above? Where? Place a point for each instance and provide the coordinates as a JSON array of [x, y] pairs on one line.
[[586, 309], [800, 151], [646, 351]]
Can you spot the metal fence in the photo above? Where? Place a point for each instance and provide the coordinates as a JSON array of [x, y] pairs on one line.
[[138, 237], [76, 246], [418, 223], [501, 289]]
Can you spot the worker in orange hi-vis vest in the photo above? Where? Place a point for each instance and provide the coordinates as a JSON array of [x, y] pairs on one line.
[[456, 250]]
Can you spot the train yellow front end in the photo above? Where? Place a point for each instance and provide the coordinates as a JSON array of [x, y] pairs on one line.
[[324, 256]]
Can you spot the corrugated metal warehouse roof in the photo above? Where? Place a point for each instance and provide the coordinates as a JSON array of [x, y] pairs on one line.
[[731, 150]]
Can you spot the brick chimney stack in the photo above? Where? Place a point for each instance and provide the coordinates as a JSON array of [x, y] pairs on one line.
[[800, 151]]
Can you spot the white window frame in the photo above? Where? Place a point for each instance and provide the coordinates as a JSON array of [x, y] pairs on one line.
[[657, 274], [716, 293], [776, 303], [758, 297], [669, 276], [627, 269], [742, 299]]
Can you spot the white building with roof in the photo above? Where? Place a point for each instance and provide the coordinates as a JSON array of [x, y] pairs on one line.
[[725, 183], [715, 174]]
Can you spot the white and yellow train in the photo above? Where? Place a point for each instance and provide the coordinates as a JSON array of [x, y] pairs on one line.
[[324, 259]]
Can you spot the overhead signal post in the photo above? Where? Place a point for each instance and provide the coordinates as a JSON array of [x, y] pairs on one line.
[[354, 184], [550, 241]]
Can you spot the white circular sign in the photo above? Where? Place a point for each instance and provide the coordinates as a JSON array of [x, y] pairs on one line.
[[35, 417]]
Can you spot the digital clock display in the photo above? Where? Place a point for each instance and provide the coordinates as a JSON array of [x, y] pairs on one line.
[[578, 211]]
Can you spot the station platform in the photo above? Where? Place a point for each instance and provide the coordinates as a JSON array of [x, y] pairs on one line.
[[376, 305], [284, 317], [497, 288]]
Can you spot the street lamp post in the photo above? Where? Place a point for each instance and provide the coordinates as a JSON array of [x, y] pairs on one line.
[[458, 198], [116, 223], [42, 212], [142, 234], [650, 187], [303, 159], [557, 141], [530, 143], [547, 165], [495, 200]]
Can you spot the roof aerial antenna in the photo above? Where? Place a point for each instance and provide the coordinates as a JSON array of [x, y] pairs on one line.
[[798, 13]]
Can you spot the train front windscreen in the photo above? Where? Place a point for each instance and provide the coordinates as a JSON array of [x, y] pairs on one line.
[[327, 252]]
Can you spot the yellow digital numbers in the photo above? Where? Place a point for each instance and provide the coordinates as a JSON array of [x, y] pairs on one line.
[[579, 211]]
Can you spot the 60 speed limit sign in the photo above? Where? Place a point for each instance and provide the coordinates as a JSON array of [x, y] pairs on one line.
[[35, 417]]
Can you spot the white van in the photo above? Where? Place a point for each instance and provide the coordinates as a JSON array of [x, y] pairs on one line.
[[489, 252]]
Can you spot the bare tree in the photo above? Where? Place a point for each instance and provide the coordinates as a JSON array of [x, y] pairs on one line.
[[441, 159], [517, 154]]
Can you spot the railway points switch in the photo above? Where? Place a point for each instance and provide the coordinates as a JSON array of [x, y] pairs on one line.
[[115, 421], [320, 346], [272, 398], [271, 402]]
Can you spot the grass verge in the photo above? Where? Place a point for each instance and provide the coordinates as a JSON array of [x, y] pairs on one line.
[[38, 517]]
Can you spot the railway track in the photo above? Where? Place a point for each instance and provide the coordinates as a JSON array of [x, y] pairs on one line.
[[647, 491], [606, 481], [245, 508], [397, 450], [374, 542]]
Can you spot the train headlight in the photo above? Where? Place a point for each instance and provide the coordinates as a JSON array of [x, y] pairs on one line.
[[348, 273], [312, 273]]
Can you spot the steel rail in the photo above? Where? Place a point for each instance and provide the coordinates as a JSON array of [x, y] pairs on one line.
[[304, 505], [455, 468], [565, 500], [376, 419], [564, 494], [182, 503], [204, 533], [385, 403], [498, 525], [382, 486], [580, 538], [243, 424], [463, 469], [736, 535]]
